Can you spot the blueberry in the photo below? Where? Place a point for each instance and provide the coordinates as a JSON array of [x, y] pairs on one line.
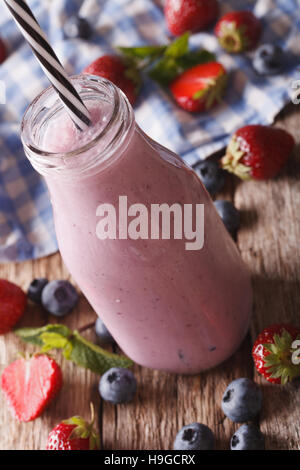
[[211, 175], [247, 437], [229, 214], [268, 59], [34, 291], [242, 400], [117, 385], [194, 436], [102, 332], [59, 297], [77, 27]]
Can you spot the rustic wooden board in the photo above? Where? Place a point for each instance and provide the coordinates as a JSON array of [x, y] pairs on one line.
[[269, 245], [271, 249]]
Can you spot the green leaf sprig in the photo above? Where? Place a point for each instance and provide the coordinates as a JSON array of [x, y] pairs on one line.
[[166, 62], [74, 347]]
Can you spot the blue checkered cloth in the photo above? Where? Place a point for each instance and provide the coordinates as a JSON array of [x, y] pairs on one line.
[[26, 224]]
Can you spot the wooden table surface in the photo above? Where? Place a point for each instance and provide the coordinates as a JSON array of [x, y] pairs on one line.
[[269, 244]]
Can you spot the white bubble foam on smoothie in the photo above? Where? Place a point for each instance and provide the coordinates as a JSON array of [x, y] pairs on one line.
[[61, 135]]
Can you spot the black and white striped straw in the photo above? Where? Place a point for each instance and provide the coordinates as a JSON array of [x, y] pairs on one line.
[[49, 62]]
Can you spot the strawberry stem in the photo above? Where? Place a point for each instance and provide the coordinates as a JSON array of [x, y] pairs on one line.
[[232, 161], [279, 360]]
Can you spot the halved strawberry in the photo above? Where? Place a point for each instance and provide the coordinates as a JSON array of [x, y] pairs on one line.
[[30, 385], [273, 353], [115, 69], [200, 87], [238, 31], [257, 152], [12, 305]]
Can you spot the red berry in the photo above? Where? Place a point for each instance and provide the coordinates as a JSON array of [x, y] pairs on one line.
[[30, 385], [200, 87], [238, 31], [258, 152], [73, 434], [190, 15], [272, 353], [12, 305], [3, 53], [114, 69]]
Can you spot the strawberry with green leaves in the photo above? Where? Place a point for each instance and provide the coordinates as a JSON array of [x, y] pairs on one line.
[[29, 385], [190, 15], [273, 353], [238, 31], [257, 152], [74, 434], [200, 87]]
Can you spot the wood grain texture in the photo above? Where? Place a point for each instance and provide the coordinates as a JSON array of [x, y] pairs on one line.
[[269, 244]]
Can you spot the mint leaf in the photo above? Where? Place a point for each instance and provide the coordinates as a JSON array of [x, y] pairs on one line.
[[89, 355], [139, 58], [175, 49], [169, 60], [142, 52], [196, 57], [34, 335], [143, 56], [168, 68], [178, 47], [165, 71], [74, 347], [53, 341]]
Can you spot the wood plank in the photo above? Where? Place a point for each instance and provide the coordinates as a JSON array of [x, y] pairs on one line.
[[166, 402], [272, 251], [269, 245], [150, 420], [78, 384]]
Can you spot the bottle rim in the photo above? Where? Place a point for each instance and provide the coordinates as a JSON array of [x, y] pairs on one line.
[[118, 127]]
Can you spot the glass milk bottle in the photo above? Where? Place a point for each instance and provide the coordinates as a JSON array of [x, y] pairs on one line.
[[168, 307]]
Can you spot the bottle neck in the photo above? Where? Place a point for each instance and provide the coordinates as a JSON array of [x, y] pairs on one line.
[[56, 148]]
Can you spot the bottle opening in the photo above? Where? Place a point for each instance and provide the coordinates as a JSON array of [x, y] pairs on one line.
[[54, 145]]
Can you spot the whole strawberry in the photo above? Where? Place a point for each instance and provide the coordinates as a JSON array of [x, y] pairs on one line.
[[3, 53], [12, 305], [74, 434], [190, 15], [273, 353], [258, 152], [118, 72], [238, 31], [30, 385], [200, 87]]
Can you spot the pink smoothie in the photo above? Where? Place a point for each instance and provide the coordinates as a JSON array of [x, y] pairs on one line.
[[168, 308]]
